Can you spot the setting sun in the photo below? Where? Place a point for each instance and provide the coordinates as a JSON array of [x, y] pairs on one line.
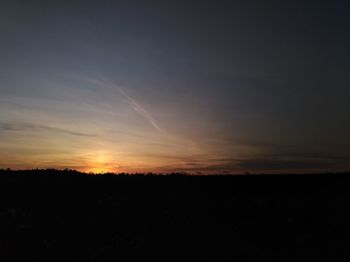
[[100, 162]]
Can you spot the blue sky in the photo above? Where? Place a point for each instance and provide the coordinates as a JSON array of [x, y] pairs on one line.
[[201, 86]]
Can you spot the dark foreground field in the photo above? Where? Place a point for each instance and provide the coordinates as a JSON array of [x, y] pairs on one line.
[[67, 216]]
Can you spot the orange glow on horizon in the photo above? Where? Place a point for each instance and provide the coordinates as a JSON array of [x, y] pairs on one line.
[[99, 163], [98, 170]]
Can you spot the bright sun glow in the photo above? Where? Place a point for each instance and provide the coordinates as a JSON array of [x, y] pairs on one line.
[[100, 163], [98, 170]]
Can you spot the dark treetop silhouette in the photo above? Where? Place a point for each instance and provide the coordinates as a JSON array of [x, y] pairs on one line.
[[51, 215]]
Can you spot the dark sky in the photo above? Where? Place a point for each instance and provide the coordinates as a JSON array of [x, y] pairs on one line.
[[208, 86]]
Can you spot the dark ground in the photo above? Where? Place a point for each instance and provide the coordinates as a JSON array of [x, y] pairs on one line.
[[66, 216]]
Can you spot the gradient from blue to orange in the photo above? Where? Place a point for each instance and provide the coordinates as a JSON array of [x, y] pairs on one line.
[[196, 86]]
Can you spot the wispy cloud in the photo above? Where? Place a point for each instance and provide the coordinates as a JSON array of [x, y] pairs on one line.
[[16, 126], [277, 164], [135, 105], [139, 109]]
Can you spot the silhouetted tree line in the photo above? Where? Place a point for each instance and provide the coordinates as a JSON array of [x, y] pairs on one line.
[[64, 172], [65, 215]]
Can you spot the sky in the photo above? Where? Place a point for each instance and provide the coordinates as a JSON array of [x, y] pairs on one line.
[[169, 86]]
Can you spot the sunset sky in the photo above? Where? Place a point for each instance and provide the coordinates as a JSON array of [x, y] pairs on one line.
[[162, 86]]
